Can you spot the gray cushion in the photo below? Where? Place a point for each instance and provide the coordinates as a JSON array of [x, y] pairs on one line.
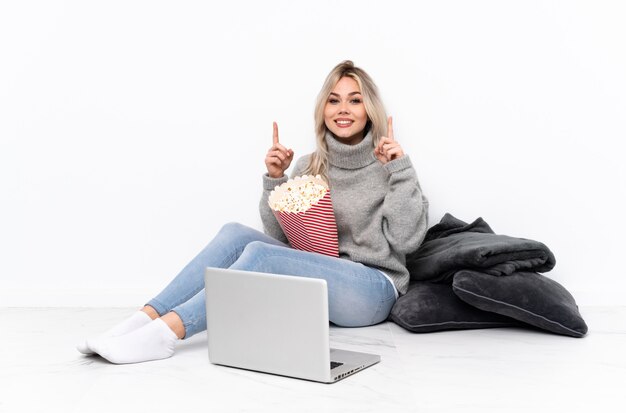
[[525, 296], [428, 307]]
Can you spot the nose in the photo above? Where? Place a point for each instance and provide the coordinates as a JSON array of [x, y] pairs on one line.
[[343, 109]]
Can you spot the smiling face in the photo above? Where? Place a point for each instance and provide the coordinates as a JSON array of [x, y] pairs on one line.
[[344, 113]]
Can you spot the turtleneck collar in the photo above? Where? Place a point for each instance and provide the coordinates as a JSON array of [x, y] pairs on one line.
[[346, 156]]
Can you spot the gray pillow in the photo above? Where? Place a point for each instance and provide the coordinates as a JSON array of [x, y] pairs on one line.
[[428, 307], [525, 296]]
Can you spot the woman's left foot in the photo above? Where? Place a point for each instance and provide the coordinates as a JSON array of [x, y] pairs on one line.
[[136, 320], [154, 341]]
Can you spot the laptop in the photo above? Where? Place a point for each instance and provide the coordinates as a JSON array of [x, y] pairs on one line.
[[275, 324]]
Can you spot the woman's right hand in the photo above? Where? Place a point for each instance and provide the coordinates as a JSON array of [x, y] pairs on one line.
[[278, 157]]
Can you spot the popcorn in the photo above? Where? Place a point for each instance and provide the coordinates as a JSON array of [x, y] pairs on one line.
[[299, 194], [303, 208]]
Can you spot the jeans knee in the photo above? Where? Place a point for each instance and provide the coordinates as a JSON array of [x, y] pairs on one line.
[[255, 257], [232, 228], [255, 248]]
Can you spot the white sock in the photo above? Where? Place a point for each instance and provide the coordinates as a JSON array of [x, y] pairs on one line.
[[154, 341], [138, 319]]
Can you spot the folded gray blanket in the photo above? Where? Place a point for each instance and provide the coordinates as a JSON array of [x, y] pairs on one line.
[[453, 245]]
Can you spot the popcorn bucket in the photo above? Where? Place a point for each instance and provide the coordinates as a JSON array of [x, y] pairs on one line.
[[304, 210]]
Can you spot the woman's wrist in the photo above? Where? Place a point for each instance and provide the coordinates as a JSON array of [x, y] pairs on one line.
[[270, 183], [398, 164]]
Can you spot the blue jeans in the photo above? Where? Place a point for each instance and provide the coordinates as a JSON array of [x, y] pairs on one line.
[[357, 295]]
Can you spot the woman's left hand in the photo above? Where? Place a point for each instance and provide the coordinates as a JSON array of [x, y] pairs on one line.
[[388, 149]]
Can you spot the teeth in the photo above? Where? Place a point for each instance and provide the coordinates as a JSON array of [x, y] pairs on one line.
[[344, 122]]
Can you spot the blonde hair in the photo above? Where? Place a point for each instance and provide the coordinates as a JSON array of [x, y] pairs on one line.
[[376, 115]]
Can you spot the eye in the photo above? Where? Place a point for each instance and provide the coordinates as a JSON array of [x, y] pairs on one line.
[[333, 101], [356, 101]]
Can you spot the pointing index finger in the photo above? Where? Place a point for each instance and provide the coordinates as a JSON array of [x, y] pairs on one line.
[[390, 128], [275, 138]]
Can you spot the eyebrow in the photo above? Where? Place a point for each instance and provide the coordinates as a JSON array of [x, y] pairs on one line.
[[349, 94]]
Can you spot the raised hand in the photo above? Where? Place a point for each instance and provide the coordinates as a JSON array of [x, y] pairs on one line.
[[388, 149], [278, 157]]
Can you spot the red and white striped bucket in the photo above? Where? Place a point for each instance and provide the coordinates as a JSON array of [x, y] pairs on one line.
[[314, 230]]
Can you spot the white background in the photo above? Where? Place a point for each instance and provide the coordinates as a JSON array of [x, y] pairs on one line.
[[130, 131]]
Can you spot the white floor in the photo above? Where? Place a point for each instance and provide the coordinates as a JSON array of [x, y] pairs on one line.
[[499, 370]]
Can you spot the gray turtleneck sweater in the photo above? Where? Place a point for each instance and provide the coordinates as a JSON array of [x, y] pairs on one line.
[[380, 210]]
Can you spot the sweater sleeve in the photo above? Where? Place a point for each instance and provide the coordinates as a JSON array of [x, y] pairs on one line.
[[270, 225], [405, 208]]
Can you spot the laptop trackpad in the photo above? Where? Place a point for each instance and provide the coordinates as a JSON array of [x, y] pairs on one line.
[[334, 364]]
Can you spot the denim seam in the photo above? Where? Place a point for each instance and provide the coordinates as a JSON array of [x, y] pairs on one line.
[[382, 303]]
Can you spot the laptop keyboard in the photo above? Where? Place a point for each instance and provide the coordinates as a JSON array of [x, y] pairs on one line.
[[334, 364]]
